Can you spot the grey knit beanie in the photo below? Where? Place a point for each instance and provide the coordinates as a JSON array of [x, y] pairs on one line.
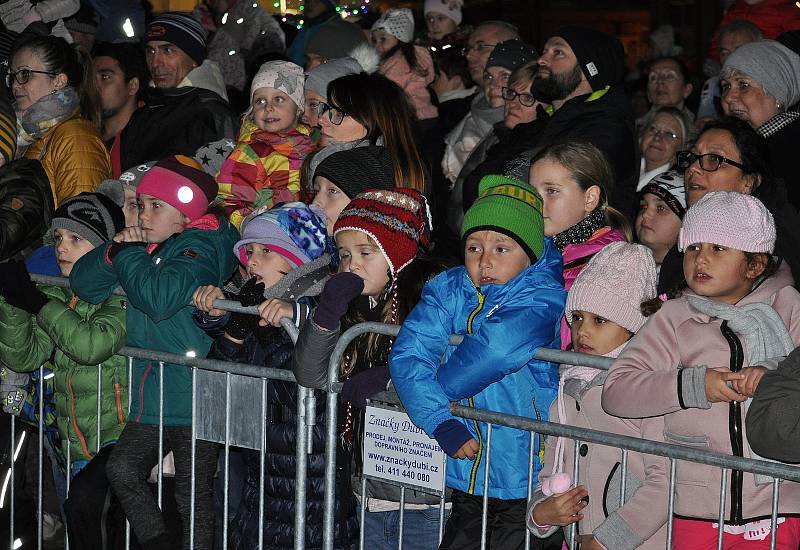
[[318, 78], [774, 66]]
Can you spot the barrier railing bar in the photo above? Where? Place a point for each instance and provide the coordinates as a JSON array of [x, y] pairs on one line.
[[263, 454], [669, 450], [128, 414], [192, 493], [363, 511], [723, 497], [11, 476], [573, 528], [773, 521], [160, 463], [531, 457], [226, 461], [485, 509], [301, 457], [671, 501], [39, 497], [402, 517], [624, 478]]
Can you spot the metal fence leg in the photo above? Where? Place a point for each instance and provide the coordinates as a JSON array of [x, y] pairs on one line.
[[330, 470], [402, 517], [624, 480], [671, 505], [301, 472], [193, 449], [723, 497], [39, 501], [573, 529], [261, 463], [69, 471], [363, 512], [485, 512], [773, 522], [442, 501], [531, 481], [10, 476], [160, 430], [99, 409], [130, 399], [226, 462]]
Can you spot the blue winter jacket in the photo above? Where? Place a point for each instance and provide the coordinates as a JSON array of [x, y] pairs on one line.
[[492, 368]]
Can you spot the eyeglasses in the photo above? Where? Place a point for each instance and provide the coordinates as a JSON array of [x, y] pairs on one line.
[[710, 162], [510, 95], [22, 76], [335, 115], [477, 47], [664, 76], [654, 131]]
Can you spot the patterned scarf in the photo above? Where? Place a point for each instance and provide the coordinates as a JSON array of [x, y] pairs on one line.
[[777, 123], [46, 113], [581, 231]]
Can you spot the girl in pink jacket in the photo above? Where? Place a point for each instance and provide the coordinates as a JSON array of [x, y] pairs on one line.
[[739, 314], [605, 307], [575, 182]]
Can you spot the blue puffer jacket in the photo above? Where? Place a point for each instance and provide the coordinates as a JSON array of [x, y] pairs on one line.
[[503, 325]]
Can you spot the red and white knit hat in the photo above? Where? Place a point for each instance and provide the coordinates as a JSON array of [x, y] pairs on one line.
[[730, 219], [181, 182], [398, 221]]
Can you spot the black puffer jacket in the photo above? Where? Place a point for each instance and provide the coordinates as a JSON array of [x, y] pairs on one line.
[[175, 121], [26, 207]]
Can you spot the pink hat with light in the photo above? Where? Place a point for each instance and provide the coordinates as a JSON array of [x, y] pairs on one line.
[[181, 182], [729, 219]]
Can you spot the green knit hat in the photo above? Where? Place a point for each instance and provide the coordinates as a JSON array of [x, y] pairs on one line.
[[511, 207]]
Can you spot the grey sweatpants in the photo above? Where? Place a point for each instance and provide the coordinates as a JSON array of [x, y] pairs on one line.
[[129, 466]]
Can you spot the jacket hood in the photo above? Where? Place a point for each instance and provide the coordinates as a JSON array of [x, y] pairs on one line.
[[207, 76]]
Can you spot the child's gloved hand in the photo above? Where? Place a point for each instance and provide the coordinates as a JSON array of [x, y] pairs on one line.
[[455, 439], [360, 387], [19, 290], [241, 324], [563, 509], [339, 291]]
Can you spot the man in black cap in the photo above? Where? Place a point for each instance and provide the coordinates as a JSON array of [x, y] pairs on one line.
[[188, 105], [579, 76]]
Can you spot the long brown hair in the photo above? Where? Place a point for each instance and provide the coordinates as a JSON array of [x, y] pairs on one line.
[[588, 166], [382, 107]]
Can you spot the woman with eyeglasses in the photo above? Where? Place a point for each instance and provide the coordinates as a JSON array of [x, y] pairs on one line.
[[665, 131], [760, 84], [730, 156], [58, 114], [373, 110]]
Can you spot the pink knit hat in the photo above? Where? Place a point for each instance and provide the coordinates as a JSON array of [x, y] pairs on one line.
[[180, 182], [614, 284], [730, 219]]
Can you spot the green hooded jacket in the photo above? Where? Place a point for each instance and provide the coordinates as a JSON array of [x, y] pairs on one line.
[[159, 282], [79, 340]]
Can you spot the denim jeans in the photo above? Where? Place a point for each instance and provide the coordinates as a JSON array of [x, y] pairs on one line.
[[420, 529]]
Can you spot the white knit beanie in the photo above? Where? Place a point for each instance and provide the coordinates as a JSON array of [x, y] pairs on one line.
[[397, 22], [614, 284], [448, 8], [729, 219]]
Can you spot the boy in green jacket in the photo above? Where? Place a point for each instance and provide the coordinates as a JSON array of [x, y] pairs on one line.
[[177, 247], [50, 324]]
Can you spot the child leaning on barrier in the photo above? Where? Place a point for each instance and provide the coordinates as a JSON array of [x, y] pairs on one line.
[[606, 306], [698, 360], [378, 237], [50, 324], [507, 302], [177, 247], [283, 249]]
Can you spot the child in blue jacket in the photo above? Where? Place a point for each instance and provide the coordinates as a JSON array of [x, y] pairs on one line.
[[177, 247], [507, 301]]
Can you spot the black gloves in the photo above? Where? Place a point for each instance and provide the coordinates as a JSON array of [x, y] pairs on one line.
[[18, 289], [241, 324]]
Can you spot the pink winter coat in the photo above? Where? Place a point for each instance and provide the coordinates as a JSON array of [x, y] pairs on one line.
[[576, 256], [641, 522], [662, 372], [415, 83]]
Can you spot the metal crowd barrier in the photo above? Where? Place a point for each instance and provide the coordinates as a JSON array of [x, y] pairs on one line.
[[305, 423]]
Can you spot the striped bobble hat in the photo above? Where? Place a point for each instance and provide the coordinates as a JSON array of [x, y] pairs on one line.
[[511, 207], [399, 222]]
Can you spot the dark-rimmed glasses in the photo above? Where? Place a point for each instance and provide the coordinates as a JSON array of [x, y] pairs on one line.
[[22, 76], [335, 115], [466, 50], [710, 162], [525, 99]]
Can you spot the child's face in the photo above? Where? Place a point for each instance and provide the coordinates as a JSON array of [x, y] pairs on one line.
[[492, 258], [311, 112], [266, 266], [565, 203], [274, 111], [596, 335], [720, 273], [360, 255], [331, 199], [657, 226], [131, 208], [70, 247], [159, 220], [383, 41]]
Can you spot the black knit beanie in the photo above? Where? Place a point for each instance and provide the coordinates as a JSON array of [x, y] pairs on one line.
[[358, 169], [601, 57], [511, 54], [93, 216]]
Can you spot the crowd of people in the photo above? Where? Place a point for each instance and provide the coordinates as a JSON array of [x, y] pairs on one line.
[[457, 180]]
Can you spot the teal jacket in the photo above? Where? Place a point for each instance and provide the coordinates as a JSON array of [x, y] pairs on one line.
[[159, 283], [76, 338]]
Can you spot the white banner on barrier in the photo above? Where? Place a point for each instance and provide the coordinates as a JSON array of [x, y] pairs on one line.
[[396, 450]]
